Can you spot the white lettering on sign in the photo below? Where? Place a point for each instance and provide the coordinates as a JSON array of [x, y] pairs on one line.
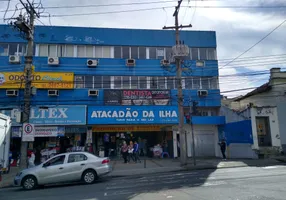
[[51, 113], [133, 114]]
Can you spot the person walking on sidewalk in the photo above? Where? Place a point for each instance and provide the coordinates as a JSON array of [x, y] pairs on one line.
[[222, 145], [130, 151], [124, 151], [136, 152]]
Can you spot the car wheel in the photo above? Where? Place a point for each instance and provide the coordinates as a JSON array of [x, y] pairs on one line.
[[89, 176], [29, 183]]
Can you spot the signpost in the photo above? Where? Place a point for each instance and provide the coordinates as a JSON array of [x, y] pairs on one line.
[[28, 132]]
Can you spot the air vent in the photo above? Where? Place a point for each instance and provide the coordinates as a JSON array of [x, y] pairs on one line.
[[14, 59], [53, 60], [93, 93], [200, 63], [53, 93], [165, 63], [92, 63], [202, 93], [130, 62], [12, 93]]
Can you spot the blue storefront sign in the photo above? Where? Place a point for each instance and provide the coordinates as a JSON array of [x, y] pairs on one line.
[[133, 115], [59, 115]]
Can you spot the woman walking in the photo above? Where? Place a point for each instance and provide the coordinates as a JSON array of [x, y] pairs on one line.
[[130, 151]]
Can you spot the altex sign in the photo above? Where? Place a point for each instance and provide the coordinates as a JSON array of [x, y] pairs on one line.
[[41, 80]]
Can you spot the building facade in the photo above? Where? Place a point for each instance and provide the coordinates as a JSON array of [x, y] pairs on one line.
[[101, 86]]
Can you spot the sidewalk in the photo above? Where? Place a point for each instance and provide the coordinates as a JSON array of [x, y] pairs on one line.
[[163, 166]]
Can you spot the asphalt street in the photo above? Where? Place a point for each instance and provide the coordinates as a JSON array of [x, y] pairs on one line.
[[247, 183]]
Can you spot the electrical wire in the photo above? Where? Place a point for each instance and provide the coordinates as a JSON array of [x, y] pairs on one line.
[[8, 6]]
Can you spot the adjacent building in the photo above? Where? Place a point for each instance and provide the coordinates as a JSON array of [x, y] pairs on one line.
[[102, 85]]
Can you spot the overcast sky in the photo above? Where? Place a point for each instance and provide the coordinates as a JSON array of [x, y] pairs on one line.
[[237, 29]]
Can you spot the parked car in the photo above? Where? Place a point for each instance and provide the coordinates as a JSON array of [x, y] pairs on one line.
[[64, 168]]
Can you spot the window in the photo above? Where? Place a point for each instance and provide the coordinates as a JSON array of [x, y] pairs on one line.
[[142, 82], [88, 81], [205, 83], [195, 54], [126, 82], [106, 52], [213, 83], [134, 82], [76, 158], [152, 53], [106, 82], [52, 50], [60, 50], [79, 81], [117, 82], [170, 82], [97, 82], [81, 51], [196, 83], [160, 53], [125, 52], [22, 49], [153, 82], [161, 83], [142, 52], [3, 49], [69, 51], [168, 53], [89, 51], [203, 54], [117, 52], [59, 160], [98, 52], [13, 49], [134, 52], [43, 50], [188, 83], [211, 54]]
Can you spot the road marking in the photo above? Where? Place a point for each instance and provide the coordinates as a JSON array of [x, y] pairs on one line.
[[270, 167], [213, 183], [105, 194]]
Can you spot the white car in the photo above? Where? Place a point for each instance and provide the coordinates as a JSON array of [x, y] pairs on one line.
[[63, 168]]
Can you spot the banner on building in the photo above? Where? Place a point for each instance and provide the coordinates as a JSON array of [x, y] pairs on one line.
[[49, 131], [137, 97], [40, 80], [133, 128], [28, 132], [58, 115], [133, 115]]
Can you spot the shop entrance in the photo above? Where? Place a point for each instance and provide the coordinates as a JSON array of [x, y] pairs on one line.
[[108, 144]]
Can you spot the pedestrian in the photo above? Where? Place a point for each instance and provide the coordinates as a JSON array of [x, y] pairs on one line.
[[31, 161], [130, 151], [222, 145], [136, 152], [124, 151]]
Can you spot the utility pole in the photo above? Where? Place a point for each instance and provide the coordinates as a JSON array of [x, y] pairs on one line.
[[27, 28], [179, 52]]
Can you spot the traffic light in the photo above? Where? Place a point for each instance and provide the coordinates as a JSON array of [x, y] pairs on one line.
[[195, 108], [188, 119]]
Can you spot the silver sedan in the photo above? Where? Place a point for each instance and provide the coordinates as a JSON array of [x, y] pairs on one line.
[[63, 168]]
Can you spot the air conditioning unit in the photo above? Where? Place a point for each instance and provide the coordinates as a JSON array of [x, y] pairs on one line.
[[92, 63], [202, 93], [53, 93], [53, 60], [93, 93], [200, 63], [130, 62], [165, 63], [12, 93], [14, 59]]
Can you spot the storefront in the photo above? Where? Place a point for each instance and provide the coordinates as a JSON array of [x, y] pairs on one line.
[[147, 125], [58, 129]]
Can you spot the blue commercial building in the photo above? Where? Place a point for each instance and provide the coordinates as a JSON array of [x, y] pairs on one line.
[[105, 85]]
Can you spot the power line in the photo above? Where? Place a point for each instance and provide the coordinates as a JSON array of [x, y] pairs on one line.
[[247, 50]]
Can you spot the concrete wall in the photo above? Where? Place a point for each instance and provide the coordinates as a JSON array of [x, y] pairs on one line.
[[281, 112], [270, 112], [232, 116]]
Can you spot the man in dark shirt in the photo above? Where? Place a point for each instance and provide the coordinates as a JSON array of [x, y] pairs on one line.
[[222, 145]]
